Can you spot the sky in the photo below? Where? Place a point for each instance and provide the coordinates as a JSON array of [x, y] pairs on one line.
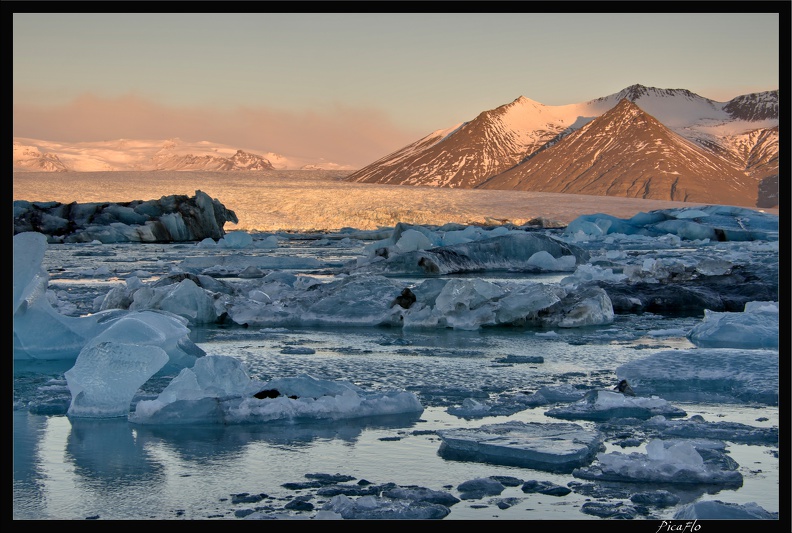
[[354, 87]]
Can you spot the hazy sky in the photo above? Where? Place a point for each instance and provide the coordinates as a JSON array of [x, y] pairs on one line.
[[353, 87]]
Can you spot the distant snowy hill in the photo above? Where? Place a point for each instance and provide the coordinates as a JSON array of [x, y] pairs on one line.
[[724, 148], [129, 155]]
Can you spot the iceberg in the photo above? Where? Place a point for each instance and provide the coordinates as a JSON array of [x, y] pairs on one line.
[[706, 374], [218, 390], [234, 264], [712, 222], [106, 376], [756, 327], [176, 218], [375, 300], [697, 427], [41, 332]]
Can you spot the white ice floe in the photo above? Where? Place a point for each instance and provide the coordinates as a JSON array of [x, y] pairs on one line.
[[664, 462], [718, 510], [554, 447], [604, 405]]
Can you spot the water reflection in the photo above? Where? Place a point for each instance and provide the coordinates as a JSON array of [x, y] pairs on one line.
[[107, 451], [198, 444]]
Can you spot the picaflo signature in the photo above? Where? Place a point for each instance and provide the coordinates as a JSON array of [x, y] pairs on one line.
[[678, 527]]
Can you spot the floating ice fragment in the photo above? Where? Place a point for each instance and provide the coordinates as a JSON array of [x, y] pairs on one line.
[[555, 447]]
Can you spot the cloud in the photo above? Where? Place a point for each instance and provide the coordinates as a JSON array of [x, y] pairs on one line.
[[339, 133]]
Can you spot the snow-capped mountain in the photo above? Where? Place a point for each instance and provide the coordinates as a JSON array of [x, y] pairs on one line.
[[627, 152], [131, 155], [31, 158], [739, 137]]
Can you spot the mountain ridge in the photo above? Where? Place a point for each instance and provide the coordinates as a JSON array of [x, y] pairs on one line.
[[738, 137], [142, 154], [685, 175]]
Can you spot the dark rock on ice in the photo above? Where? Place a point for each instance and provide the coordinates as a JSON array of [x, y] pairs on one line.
[[405, 299], [625, 388], [267, 393]]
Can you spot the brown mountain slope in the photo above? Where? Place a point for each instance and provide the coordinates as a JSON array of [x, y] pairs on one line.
[[626, 152], [477, 150]]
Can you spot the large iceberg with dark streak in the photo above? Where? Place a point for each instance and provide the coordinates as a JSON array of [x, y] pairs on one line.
[[175, 218], [516, 250]]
